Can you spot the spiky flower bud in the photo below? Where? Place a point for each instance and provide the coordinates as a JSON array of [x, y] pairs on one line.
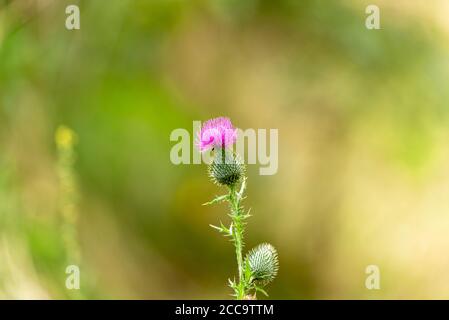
[[264, 263], [226, 167]]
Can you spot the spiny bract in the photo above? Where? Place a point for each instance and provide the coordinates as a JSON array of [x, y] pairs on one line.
[[263, 262], [226, 168]]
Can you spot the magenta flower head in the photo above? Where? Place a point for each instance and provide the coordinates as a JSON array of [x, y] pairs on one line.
[[216, 133]]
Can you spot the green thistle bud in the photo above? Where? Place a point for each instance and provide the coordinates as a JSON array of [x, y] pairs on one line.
[[226, 168], [263, 262]]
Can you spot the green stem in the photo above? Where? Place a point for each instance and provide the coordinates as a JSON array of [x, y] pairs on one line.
[[237, 235]]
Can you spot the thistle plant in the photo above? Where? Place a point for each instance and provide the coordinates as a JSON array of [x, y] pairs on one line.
[[260, 265]]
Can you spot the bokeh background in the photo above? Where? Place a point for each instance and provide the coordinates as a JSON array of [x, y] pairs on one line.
[[85, 171]]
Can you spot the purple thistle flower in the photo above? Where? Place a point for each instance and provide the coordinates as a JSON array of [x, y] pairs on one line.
[[216, 133]]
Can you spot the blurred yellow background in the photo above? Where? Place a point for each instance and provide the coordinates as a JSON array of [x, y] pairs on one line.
[[362, 116]]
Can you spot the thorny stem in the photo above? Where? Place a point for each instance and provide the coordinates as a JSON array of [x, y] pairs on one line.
[[237, 235]]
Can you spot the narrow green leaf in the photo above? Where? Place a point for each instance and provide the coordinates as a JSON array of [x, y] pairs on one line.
[[223, 229], [261, 290], [247, 271], [217, 199], [242, 189], [217, 228]]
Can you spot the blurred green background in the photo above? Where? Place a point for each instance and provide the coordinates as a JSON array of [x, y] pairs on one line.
[[363, 146]]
